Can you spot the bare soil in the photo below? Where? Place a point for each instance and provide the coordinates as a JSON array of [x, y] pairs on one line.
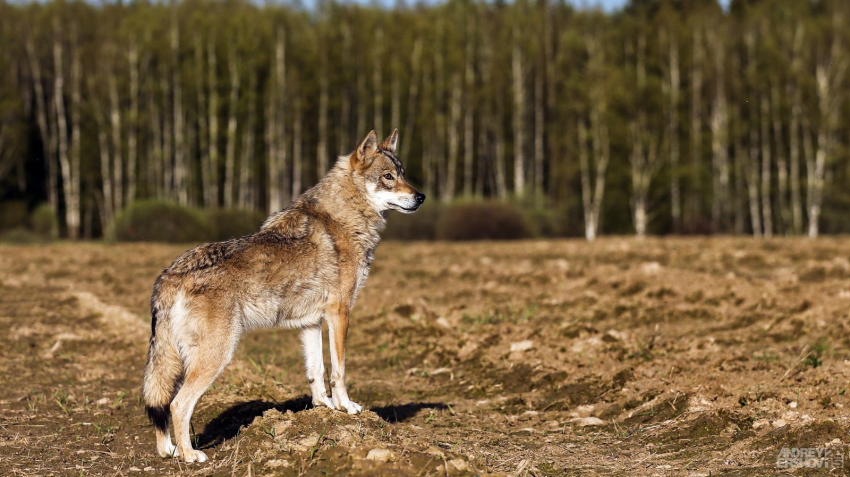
[[622, 357]]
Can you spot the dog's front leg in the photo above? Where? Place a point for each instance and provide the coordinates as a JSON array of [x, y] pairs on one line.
[[337, 316], [314, 361]]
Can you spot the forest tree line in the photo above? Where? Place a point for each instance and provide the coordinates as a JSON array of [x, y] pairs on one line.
[[669, 116]]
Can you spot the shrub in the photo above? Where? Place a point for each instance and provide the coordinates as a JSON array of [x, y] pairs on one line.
[[421, 225], [43, 221], [481, 221], [546, 222], [21, 235], [230, 223], [834, 218], [156, 220], [13, 214]]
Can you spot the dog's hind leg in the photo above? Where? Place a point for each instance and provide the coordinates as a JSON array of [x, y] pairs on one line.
[[162, 376], [203, 364], [164, 446], [163, 373], [311, 337]]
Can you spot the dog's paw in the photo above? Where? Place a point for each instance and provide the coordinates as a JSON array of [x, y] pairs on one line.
[[348, 406], [169, 450], [323, 401], [353, 408], [194, 455]]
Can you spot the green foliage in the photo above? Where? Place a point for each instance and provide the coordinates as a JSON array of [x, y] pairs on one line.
[[488, 220], [231, 223], [43, 221], [159, 221]]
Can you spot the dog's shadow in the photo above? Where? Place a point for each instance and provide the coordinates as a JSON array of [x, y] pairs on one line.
[[402, 412], [226, 425]]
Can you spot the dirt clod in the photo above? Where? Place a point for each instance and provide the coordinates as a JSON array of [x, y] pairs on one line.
[[380, 455]]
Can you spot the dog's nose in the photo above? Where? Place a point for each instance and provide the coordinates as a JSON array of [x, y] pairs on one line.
[[419, 197]]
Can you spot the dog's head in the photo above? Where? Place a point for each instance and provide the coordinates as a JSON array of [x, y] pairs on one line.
[[383, 175]]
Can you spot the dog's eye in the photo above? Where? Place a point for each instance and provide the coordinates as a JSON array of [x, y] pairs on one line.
[[388, 176]]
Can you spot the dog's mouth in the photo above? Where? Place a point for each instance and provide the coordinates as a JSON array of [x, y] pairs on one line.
[[405, 209]]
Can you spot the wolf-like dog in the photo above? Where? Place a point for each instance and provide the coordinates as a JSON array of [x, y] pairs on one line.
[[303, 267]]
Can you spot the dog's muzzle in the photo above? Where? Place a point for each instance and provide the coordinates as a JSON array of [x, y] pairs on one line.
[[418, 199]]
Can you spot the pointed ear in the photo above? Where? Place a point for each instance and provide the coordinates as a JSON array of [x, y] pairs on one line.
[[391, 142], [365, 150]]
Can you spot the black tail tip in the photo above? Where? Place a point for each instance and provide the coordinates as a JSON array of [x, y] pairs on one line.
[[159, 416]]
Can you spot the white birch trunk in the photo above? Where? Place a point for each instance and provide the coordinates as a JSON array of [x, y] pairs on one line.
[[586, 191], [643, 159], [115, 126], [322, 144], [412, 95], [296, 150], [202, 119], [692, 200], [794, 132], [230, 184], [766, 169], [674, 93], [539, 125], [753, 183], [60, 120], [518, 117], [720, 197], [829, 76], [753, 176], [274, 132], [181, 173], [468, 121], [454, 138], [212, 181], [73, 194], [781, 161], [132, 122], [594, 170], [377, 84], [247, 182]]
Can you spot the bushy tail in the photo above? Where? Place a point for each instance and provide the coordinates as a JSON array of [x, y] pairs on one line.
[[163, 372]]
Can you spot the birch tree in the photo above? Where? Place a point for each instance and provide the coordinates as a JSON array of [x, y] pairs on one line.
[[275, 138], [230, 182], [830, 71], [795, 130], [644, 153], [181, 172], [673, 88], [594, 148], [469, 112], [518, 74], [719, 126]]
